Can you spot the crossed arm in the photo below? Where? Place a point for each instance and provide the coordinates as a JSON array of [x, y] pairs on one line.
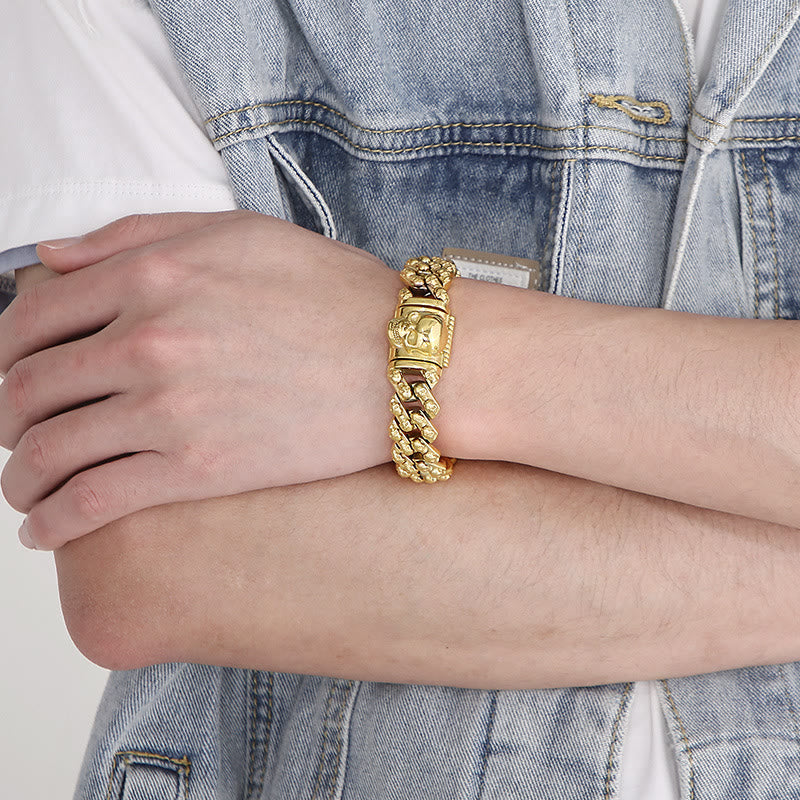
[[509, 575]]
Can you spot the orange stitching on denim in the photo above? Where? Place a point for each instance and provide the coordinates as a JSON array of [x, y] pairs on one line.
[[761, 139], [433, 146], [325, 107], [707, 119], [747, 138], [767, 119], [182, 770], [685, 739], [125, 756], [348, 685], [111, 777], [184, 762], [324, 740], [772, 231], [417, 129], [617, 102], [757, 288], [638, 135], [613, 746], [274, 104], [254, 695], [448, 125], [764, 52], [698, 136]]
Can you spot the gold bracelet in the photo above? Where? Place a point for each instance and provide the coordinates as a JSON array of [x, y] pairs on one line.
[[421, 334]]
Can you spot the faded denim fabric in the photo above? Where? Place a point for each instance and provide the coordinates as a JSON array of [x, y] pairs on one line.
[[567, 131]]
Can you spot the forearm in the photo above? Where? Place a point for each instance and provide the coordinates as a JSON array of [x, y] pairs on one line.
[[505, 577], [694, 408]]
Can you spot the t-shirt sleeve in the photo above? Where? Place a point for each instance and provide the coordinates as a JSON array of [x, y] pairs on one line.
[[103, 125]]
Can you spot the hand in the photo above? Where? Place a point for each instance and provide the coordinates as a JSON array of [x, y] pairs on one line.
[[188, 356]]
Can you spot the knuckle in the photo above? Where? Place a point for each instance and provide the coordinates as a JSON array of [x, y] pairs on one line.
[[19, 387], [37, 453], [158, 274], [89, 504], [150, 346]]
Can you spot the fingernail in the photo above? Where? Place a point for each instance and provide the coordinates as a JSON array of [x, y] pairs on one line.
[[60, 244], [24, 535]]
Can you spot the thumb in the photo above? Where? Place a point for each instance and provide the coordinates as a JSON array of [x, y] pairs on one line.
[[126, 233]]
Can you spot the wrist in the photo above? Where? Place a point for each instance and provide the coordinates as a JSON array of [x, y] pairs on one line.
[[479, 392]]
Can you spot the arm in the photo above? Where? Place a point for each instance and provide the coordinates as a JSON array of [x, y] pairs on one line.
[[692, 408], [509, 577], [698, 409], [527, 579]]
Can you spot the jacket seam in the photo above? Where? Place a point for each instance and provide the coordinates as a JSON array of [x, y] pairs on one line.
[[614, 735], [335, 684], [778, 32], [435, 145], [744, 138], [585, 170], [323, 750], [255, 778], [443, 125], [708, 119], [253, 715], [773, 237], [684, 737], [759, 119], [756, 260], [484, 125], [487, 744]]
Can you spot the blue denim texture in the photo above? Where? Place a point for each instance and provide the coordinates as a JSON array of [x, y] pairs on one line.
[[9, 261], [402, 128]]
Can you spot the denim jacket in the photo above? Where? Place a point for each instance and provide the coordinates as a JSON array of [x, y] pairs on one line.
[[571, 132]]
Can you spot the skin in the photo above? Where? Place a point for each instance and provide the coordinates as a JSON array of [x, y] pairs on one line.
[[195, 353], [510, 577], [623, 585]]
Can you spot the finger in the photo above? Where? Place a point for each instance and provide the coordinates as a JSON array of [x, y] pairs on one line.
[[60, 309], [54, 450], [136, 230], [99, 496], [57, 379]]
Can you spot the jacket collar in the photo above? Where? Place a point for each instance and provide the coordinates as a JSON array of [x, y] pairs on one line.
[[750, 34]]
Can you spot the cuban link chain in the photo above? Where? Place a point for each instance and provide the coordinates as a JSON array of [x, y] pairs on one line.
[[420, 335]]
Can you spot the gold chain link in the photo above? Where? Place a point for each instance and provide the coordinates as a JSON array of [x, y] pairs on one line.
[[421, 335]]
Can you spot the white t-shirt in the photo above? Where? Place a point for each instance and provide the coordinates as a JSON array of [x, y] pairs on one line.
[[103, 127], [704, 18]]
